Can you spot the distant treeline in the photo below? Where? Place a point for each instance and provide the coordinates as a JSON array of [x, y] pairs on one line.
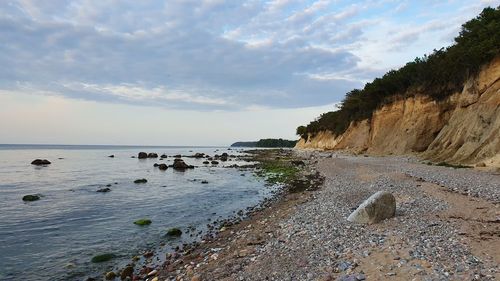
[[266, 143], [437, 75]]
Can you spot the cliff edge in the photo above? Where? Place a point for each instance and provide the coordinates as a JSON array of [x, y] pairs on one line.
[[463, 128]]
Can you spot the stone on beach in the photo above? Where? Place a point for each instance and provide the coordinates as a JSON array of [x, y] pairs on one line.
[[110, 275], [379, 206], [163, 167], [142, 155], [39, 162], [127, 272]]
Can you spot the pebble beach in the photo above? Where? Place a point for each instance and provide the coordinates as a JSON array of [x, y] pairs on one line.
[[445, 227]]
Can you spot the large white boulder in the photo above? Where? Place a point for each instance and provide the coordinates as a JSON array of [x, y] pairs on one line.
[[380, 206]]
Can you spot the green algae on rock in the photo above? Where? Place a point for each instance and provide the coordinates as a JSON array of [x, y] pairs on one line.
[[102, 258], [142, 222], [174, 232]]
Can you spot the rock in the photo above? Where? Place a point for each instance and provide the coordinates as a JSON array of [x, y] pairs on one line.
[[204, 182], [298, 162], [111, 156], [177, 156], [143, 222], [152, 155], [174, 232], [104, 190], [142, 155], [482, 164], [215, 162], [199, 155], [148, 254], [152, 273], [164, 156], [141, 181], [102, 258], [206, 162], [156, 165], [39, 162], [31, 197], [163, 167], [179, 164], [197, 277], [110, 275], [127, 272], [380, 206]]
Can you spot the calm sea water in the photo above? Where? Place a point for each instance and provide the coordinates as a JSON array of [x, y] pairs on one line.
[[55, 237]]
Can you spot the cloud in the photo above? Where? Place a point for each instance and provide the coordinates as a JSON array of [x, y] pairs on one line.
[[207, 54]]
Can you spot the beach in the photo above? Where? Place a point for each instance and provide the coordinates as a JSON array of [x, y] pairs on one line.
[[445, 228]]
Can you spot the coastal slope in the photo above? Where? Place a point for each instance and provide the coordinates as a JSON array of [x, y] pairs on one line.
[[463, 128]]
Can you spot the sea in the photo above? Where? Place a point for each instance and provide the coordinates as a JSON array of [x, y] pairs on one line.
[[55, 238]]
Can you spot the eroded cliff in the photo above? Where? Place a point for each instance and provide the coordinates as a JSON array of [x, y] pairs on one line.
[[464, 128]]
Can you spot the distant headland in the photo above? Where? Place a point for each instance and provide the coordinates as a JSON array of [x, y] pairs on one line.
[[265, 143]]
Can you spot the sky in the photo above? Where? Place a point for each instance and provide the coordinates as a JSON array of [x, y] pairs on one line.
[[205, 72]]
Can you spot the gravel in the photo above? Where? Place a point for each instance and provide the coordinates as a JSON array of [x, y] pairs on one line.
[[317, 242]]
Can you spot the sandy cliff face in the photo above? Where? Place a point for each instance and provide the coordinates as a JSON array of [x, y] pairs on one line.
[[464, 128]]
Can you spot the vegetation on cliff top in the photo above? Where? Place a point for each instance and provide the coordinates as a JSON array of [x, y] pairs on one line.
[[437, 75], [266, 143]]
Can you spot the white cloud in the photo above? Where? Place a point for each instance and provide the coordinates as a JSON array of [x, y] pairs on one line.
[[216, 54]]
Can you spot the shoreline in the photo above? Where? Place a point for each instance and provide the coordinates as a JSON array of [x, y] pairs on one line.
[[446, 224], [239, 238], [267, 164]]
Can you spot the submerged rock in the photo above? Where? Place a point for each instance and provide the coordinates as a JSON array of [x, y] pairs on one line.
[[162, 167], [102, 258], [152, 155], [104, 190], [174, 232], [111, 156], [206, 162], [215, 162], [39, 162], [380, 206], [31, 197], [141, 181], [142, 155]]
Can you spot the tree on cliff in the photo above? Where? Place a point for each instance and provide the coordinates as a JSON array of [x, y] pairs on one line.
[[437, 75]]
